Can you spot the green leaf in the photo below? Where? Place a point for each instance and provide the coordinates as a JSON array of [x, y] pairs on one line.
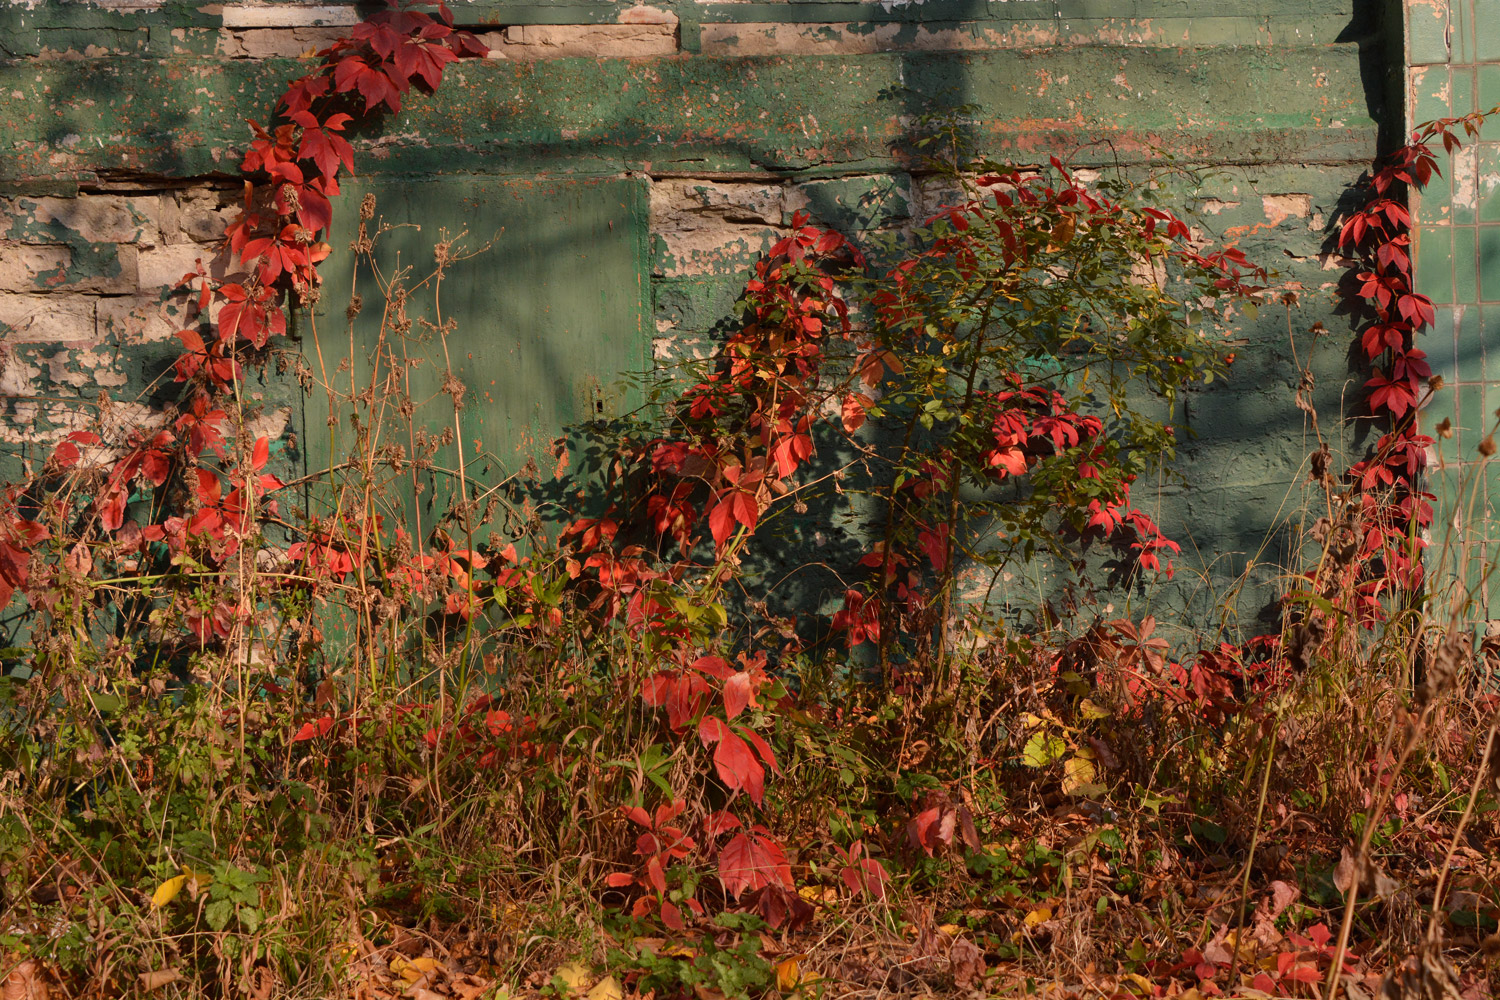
[[1043, 749], [250, 918], [217, 914], [106, 704]]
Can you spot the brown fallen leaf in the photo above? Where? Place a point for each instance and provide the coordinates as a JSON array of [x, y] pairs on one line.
[[25, 982], [1344, 875], [158, 978], [1283, 894], [967, 962], [1215, 951]]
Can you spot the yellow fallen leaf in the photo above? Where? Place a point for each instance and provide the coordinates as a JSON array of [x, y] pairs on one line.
[[1077, 772], [818, 894], [607, 989], [168, 890], [788, 974], [413, 969], [1142, 982], [573, 975], [952, 930], [1090, 710], [1040, 915]]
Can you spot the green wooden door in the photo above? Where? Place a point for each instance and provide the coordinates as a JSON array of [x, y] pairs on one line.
[[542, 308]]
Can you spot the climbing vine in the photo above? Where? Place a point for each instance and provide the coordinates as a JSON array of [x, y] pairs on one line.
[[1391, 512], [1006, 350]]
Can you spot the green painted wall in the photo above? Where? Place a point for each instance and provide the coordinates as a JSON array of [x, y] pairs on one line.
[[691, 140], [1453, 55]]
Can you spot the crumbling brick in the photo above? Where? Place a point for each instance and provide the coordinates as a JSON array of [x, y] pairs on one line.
[[276, 43], [94, 218], [165, 266], [59, 318], [588, 41]]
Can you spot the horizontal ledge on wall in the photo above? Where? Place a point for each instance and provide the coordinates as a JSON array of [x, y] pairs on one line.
[[185, 116]]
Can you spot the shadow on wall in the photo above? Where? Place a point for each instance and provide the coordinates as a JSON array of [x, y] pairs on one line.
[[592, 318]]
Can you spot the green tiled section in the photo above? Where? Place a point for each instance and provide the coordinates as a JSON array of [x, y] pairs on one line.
[[1435, 263], [1431, 88], [1468, 346], [1428, 38], [1461, 32], [1486, 33], [1465, 279], [1488, 264], [1488, 175], [1453, 60], [1463, 90]]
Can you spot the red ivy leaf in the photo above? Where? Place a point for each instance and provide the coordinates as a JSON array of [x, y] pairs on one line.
[[752, 861]]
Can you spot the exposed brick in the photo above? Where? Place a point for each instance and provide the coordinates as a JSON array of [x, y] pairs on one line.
[[276, 43], [134, 319], [165, 266], [287, 15], [854, 204], [18, 380], [646, 14], [31, 267], [47, 319], [934, 194], [589, 41], [687, 203], [707, 227], [28, 267], [85, 368], [1280, 207], [95, 218], [199, 214]]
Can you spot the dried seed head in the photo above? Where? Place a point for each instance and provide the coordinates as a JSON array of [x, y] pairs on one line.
[[367, 208], [1443, 667], [1487, 446], [1445, 429]]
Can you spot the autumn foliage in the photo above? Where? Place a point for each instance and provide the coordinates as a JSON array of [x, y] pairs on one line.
[[612, 698]]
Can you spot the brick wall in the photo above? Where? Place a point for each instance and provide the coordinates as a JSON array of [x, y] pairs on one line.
[[123, 129]]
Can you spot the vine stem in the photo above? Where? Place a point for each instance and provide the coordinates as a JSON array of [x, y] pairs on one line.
[[1260, 811]]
